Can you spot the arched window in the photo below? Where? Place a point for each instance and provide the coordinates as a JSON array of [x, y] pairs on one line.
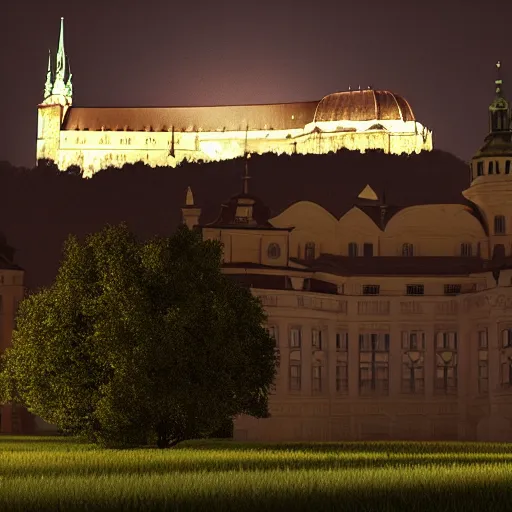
[[352, 249], [490, 168], [499, 225], [466, 249], [309, 251], [273, 251], [407, 250]]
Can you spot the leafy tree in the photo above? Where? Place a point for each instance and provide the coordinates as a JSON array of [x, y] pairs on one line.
[[140, 342]]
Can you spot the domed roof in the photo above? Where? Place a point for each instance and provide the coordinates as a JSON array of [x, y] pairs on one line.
[[364, 105]]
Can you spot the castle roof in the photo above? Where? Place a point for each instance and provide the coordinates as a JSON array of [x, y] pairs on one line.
[[364, 105], [341, 106]]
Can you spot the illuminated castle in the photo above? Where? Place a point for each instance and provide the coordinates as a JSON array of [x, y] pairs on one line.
[[95, 138]]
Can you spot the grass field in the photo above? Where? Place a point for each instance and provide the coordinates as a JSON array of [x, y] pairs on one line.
[[48, 473]]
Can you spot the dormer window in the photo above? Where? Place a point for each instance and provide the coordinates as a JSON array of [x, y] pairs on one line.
[[499, 225], [407, 250], [466, 250], [309, 251], [352, 249], [273, 251]]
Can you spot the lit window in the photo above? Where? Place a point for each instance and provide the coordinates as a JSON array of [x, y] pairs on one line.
[[407, 250], [274, 251]]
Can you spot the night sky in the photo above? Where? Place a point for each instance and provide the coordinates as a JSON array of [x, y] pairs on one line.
[[439, 55]]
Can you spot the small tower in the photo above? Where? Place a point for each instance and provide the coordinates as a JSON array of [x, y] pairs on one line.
[[491, 174], [58, 97], [190, 212]]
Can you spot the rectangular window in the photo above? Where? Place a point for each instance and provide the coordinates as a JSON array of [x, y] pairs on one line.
[[506, 373], [272, 332], [452, 289], [342, 341], [507, 167], [446, 340], [316, 339], [499, 225], [482, 339], [295, 337], [295, 377], [413, 340], [466, 249], [371, 289], [373, 363], [480, 169], [367, 249], [415, 289], [316, 380], [483, 373], [352, 249], [413, 375], [342, 378]]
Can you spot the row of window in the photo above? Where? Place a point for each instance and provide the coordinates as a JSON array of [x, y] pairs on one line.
[[407, 249], [374, 365], [413, 340], [413, 289], [493, 167]]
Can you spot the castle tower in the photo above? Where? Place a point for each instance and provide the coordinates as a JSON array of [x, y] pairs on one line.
[[491, 175], [57, 98], [190, 212]]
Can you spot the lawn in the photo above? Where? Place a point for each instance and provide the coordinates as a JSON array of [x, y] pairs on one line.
[[45, 473]]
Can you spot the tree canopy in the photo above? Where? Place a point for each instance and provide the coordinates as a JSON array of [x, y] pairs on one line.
[[140, 342]]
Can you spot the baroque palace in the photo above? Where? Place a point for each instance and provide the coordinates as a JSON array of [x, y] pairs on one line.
[[96, 138], [390, 322]]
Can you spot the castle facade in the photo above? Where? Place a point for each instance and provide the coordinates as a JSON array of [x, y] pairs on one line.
[[94, 138]]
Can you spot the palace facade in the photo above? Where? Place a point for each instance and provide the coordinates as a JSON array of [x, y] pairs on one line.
[[390, 322], [94, 138]]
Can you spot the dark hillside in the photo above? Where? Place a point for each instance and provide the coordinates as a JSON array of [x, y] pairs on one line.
[[41, 206]]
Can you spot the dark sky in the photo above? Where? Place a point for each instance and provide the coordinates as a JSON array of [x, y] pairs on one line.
[[439, 55]]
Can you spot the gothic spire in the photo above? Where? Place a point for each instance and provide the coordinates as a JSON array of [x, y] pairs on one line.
[[61, 55], [48, 85]]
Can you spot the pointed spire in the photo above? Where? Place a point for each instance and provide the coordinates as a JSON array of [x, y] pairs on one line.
[[61, 55], [189, 199], [246, 177], [48, 85]]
